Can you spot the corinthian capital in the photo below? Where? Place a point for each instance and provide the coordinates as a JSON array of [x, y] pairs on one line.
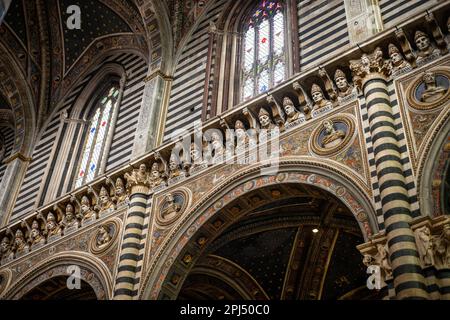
[[138, 177], [369, 66]]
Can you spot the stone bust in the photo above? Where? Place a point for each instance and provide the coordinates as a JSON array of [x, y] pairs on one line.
[[104, 199], [344, 88], [69, 217], [319, 98], [120, 192], [19, 242], [333, 137], [265, 120], [432, 91], [289, 108], [241, 135], [172, 208], [156, 178], [103, 237], [85, 208], [52, 225], [35, 233], [397, 61], [174, 167], [424, 46], [5, 247], [217, 144]]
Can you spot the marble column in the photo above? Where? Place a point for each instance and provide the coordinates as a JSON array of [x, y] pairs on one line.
[[370, 73], [138, 183]]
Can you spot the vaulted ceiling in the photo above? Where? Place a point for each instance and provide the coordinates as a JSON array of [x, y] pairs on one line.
[[50, 57]]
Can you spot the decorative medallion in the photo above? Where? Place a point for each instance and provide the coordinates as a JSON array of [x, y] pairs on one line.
[[105, 237], [430, 90], [172, 205], [332, 136]]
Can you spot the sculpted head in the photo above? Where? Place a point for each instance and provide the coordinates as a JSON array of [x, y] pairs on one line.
[[288, 106], [119, 185], [4, 245], [316, 93], [170, 198], [328, 125], [429, 78], [85, 201], [264, 118], [395, 54], [155, 170], [340, 80], [103, 193], [142, 168], [35, 225], [239, 129], [422, 41], [19, 234], [365, 59], [173, 163]]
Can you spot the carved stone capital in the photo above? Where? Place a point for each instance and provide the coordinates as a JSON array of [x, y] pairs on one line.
[[369, 66]]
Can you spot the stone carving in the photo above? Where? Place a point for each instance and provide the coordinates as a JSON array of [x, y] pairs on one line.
[[372, 63], [70, 218], [383, 261], [120, 193], [5, 247], [333, 137], [432, 90], [441, 248], [85, 208], [103, 238], [344, 88], [289, 108], [156, 176], [35, 233], [265, 120], [397, 61], [196, 156], [52, 226], [174, 167], [319, 98], [171, 208], [138, 176], [424, 46], [241, 135], [424, 245], [19, 243], [104, 199], [217, 145]]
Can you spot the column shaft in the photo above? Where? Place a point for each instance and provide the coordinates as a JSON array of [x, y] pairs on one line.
[[409, 282]]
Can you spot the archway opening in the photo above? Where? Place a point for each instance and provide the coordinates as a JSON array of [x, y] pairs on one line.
[[56, 289], [289, 242]]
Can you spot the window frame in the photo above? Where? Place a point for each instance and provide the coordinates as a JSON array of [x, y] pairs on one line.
[[92, 108], [270, 61]]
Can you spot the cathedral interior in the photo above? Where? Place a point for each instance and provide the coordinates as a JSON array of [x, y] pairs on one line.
[[224, 150]]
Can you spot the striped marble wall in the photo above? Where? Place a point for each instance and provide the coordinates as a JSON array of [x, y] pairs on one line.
[[322, 27], [395, 11], [38, 175], [186, 97]]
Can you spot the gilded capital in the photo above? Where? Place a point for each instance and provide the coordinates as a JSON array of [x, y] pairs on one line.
[[369, 66]]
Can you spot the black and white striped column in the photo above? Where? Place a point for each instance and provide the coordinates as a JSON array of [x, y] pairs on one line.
[[131, 254], [409, 282]]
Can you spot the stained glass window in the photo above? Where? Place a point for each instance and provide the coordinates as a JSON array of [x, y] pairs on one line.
[[97, 134], [264, 61]]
